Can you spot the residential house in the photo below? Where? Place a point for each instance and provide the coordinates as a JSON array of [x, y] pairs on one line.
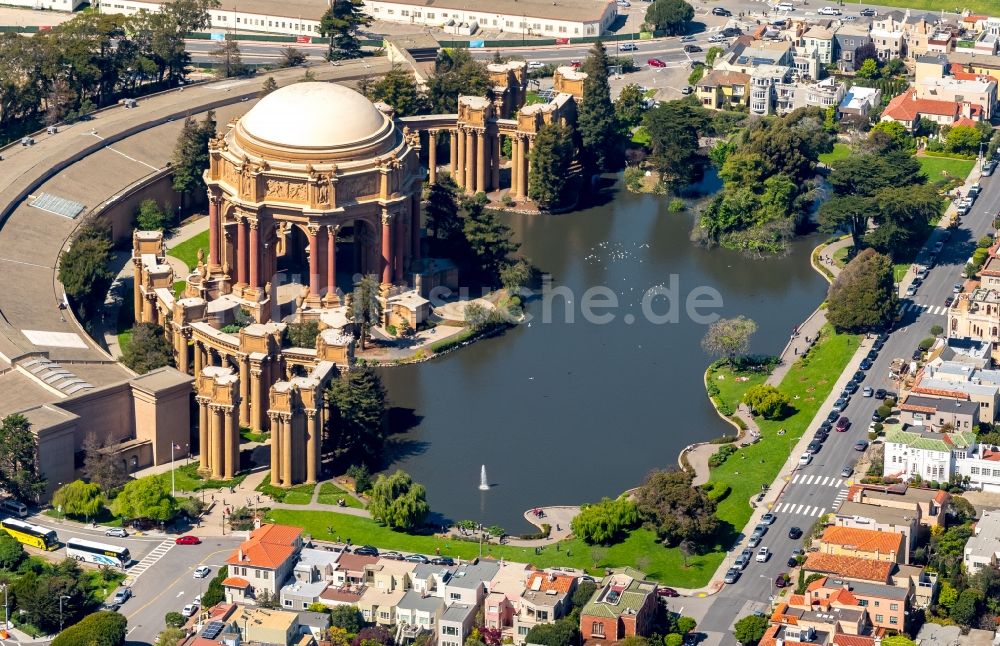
[[547, 596], [765, 82], [824, 94], [923, 453], [744, 56], [863, 543], [468, 582], [908, 109], [623, 606], [262, 626], [315, 565], [983, 547], [456, 624], [858, 103], [314, 623], [796, 621], [379, 606], [353, 570], [887, 605], [722, 89], [262, 562], [429, 579], [820, 40], [883, 519], [848, 567], [980, 92], [888, 36], [938, 414], [959, 380], [416, 613], [388, 574], [851, 46], [919, 35], [299, 595], [929, 505]]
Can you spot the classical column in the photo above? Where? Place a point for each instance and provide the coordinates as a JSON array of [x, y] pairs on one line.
[[515, 167], [254, 253], [525, 167], [147, 309], [257, 404], [183, 360], [286, 450], [482, 148], [312, 446], [459, 174], [331, 261], [241, 252], [386, 248], [432, 156], [415, 228], [232, 445], [218, 444], [137, 291], [314, 254], [495, 162], [275, 449], [198, 359], [245, 391], [399, 248], [202, 433], [452, 151], [470, 161], [213, 231]]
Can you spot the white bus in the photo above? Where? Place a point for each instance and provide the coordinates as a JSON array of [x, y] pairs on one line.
[[98, 553], [14, 508]]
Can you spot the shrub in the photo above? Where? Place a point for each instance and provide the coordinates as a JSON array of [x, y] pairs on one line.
[[676, 205], [884, 411], [720, 456], [926, 343], [937, 330], [767, 401], [101, 628], [718, 493], [605, 522], [175, 619]]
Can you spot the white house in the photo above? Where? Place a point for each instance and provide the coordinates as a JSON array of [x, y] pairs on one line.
[[932, 456], [983, 548]]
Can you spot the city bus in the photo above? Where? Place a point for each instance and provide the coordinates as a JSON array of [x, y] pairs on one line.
[[98, 553], [34, 535], [14, 508]]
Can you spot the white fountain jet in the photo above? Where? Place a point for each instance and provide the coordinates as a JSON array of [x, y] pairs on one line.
[[484, 484]]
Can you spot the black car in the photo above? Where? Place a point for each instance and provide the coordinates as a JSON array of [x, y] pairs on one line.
[[840, 404], [814, 447], [366, 550], [443, 560], [868, 11], [880, 393], [794, 533], [917, 354], [729, 32], [825, 427], [792, 562], [690, 49], [988, 168], [859, 376], [851, 387], [872, 354], [820, 437], [720, 11], [833, 416], [866, 364]]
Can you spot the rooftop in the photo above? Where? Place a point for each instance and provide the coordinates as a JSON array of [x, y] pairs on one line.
[[867, 589], [863, 540], [877, 514], [417, 602], [613, 601], [470, 575], [268, 547], [928, 441], [985, 541], [849, 567], [558, 10]]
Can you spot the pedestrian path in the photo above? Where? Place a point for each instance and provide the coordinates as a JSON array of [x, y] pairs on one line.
[[910, 306], [799, 510], [840, 498], [817, 481], [150, 560]]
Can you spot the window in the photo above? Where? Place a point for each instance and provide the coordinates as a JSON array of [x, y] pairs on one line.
[[542, 615], [996, 473], [597, 629], [877, 604], [454, 595], [893, 620], [383, 614], [449, 630], [974, 471], [509, 23], [893, 606], [522, 630], [288, 603], [562, 30], [863, 603], [878, 618], [431, 15], [404, 12]]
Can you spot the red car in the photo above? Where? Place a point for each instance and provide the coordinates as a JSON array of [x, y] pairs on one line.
[[667, 592], [188, 540], [843, 424], [575, 63], [782, 580], [655, 62]]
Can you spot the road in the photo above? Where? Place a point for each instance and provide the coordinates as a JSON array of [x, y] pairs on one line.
[[819, 487]]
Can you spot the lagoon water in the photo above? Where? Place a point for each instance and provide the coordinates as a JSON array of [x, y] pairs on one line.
[[567, 412]]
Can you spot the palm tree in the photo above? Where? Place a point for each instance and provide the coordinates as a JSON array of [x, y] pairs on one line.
[[365, 308]]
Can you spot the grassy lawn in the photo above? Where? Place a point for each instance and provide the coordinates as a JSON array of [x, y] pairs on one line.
[[732, 384], [179, 286], [934, 166], [124, 338], [186, 478], [187, 251], [533, 97], [975, 6], [100, 583], [330, 493], [840, 256], [248, 435], [840, 151], [300, 495]]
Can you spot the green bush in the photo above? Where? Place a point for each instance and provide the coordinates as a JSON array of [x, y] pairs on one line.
[[717, 492], [884, 411], [925, 344], [676, 205], [720, 456], [101, 628], [174, 619]]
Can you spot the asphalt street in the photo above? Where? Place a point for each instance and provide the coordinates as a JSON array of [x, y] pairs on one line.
[[819, 487]]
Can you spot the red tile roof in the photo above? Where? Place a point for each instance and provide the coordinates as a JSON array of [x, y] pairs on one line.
[[863, 540], [850, 567], [235, 582], [268, 547], [355, 562], [559, 582], [906, 107], [853, 640]]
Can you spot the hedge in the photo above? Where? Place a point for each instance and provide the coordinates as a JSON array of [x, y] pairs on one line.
[[721, 455], [99, 629]]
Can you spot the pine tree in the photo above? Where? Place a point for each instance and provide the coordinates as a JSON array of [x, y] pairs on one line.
[[550, 161], [190, 157], [340, 24], [269, 85], [442, 209], [490, 240], [366, 308], [596, 115]]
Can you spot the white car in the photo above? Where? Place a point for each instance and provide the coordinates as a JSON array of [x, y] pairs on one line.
[[762, 555], [189, 610], [805, 459], [785, 6], [202, 571], [117, 532], [535, 65], [829, 11]]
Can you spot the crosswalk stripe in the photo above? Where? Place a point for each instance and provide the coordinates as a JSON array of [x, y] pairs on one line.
[[840, 481], [807, 511], [821, 511], [809, 480], [150, 559], [796, 478], [826, 480], [798, 509], [785, 507]]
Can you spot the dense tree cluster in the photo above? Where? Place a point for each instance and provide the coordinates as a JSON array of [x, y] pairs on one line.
[[673, 128], [455, 73], [606, 522], [91, 61], [145, 499], [83, 270], [102, 628], [36, 592], [147, 349], [341, 23], [768, 179], [398, 502], [100, 465], [671, 16], [863, 297], [19, 475], [674, 509], [550, 160], [190, 158], [357, 407]]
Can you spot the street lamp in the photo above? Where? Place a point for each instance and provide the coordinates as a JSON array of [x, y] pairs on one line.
[[61, 597], [173, 486], [764, 576]]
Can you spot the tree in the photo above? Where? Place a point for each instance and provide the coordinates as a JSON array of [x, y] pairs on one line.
[[729, 338], [476, 316], [79, 499], [341, 24], [38, 595], [674, 509], [150, 217], [863, 296], [966, 608], [103, 628], [489, 239], [302, 335], [850, 212], [550, 161], [215, 593], [83, 271], [561, 633], [673, 639], [147, 349], [963, 140], [398, 502], [190, 158], [292, 57], [516, 275], [373, 636], [357, 402], [230, 58], [100, 465], [174, 619], [891, 133], [868, 69], [904, 213], [605, 522], [146, 499], [347, 618], [584, 591], [11, 552], [362, 477], [767, 401], [629, 106], [398, 88], [170, 637], [750, 629], [672, 16], [365, 307], [441, 210], [673, 129], [269, 85], [19, 474], [684, 624], [596, 115], [455, 72]]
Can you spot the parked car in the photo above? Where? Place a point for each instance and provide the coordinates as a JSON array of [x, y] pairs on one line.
[[187, 540], [872, 355], [782, 581], [446, 560], [686, 90], [794, 533], [417, 558], [868, 392], [820, 437], [912, 289], [716, 38], [833, 416], [628, 47], [667, 592], [840, 405], [805, 459], [392, 556], [760, 529], [754, 540], [861, 445], [535, 65], [948, 301], [763, 554], [742, 561], [814, 447], [687, 39], [917, 355], [691, 49], [785, 6], [880, 394], [117, 532], [989, 167], [576, 63], [123, 595], [846, 471], [792, 562], [768, 519], [202, 571], [843, 424], [829, 11], [732, 575], [720, 11], [866, 364], [868, 12], [655, 62], [731, 32], [859, 376], [957, 288], [366, 550], [189, 610], [851, 387]]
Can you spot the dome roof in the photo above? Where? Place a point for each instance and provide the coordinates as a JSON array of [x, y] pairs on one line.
[[314, 115]]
